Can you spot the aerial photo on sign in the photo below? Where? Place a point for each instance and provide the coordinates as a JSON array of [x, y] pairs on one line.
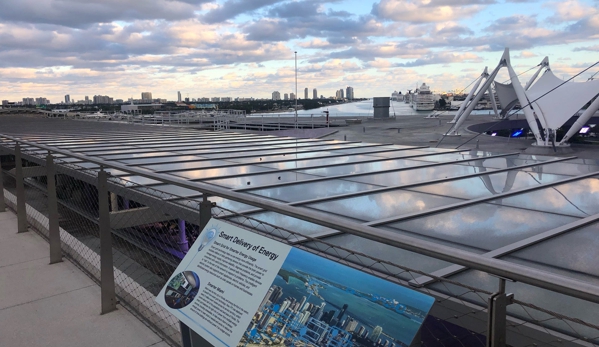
[[314, 301]]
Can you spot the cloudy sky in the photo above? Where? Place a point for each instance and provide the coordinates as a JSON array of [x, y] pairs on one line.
[[246, 47]]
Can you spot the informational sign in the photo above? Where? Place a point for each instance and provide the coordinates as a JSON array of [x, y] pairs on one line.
[[237, 288], [218, 286]]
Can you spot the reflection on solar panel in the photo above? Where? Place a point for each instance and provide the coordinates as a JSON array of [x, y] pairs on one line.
[[468, 199]]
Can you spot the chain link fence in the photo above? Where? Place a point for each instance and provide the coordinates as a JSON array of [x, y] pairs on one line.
[[153, 227]]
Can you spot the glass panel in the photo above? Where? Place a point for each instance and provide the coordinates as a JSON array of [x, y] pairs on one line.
[[187, 165], [570, 169], [286, 156], [573, 254], [364, 167], [578, 198], [483, 226], [404, 153], [315, 190], [503, 162], [417, 175], [381, 251], [383, 205], [87, 165], [122, 151], [286, 222], [137, 155], [316, 162], [366, 150], [225, 171], [260, 180], [172, 159], [448, 157], [486, 185]]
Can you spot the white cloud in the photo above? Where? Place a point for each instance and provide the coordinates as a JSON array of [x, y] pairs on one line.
[[425, 11]]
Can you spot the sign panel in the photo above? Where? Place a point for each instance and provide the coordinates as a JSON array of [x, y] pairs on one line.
[[251, 290], [222, 280]]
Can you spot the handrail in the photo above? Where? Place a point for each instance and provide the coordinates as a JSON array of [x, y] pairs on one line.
[[535, 277]]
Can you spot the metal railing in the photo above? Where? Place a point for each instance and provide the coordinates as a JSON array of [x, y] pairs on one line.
[[130, 238]]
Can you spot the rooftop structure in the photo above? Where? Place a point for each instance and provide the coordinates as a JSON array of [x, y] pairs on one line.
[[445, 221], [547, 101]]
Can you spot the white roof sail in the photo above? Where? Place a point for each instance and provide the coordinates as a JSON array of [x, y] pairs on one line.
[[505, 93], [562, 102]]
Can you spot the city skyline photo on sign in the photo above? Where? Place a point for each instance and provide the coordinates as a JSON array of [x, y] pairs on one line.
[[317, 302]]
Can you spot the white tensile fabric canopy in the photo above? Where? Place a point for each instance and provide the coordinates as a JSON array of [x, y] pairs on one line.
[[555, 101], [506, 94]]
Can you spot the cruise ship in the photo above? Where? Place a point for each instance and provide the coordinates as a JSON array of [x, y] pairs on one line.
[[422, 99]]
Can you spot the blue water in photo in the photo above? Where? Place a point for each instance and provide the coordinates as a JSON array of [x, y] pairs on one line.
[[367, 313]]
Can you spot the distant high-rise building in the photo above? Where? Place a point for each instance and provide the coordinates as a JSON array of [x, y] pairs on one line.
[[102, 99], [276, 95], [146, 97], [342, 312], [276, 294], [285, 96], [306, 93], [314, 94], [351, 325], [267, 297], [301, 306], [41, 101], [5, 102], [376, 333], [284, 306], [186, 99], [87, 100], [349, 93], [292, 96], [67, 99], [361, 331], [179, 96]]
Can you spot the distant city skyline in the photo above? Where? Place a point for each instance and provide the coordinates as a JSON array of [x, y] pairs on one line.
[[51, 48]]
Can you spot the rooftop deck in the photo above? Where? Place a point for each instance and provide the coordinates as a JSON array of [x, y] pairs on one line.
[[56, 305]]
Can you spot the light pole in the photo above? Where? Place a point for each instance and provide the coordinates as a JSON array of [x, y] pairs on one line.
[[295, 89]]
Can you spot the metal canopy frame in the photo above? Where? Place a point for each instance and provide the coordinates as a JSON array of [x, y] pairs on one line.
[[543, 279]]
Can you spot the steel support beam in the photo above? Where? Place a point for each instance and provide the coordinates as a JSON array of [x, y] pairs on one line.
[[53, 227], [497, 322], [205, 212], [31, 171], [21, 205], [106, 264]]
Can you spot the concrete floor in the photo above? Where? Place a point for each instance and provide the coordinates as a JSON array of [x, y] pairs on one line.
[[55, 305]]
